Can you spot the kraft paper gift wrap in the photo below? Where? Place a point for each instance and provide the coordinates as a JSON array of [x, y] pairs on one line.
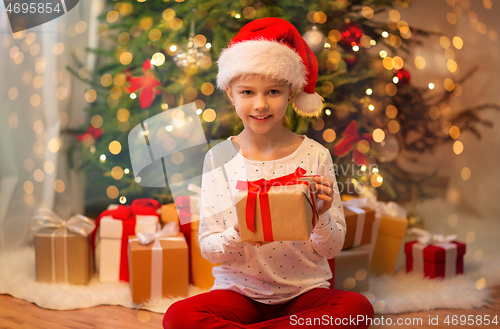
[[62, 248], [279, 209], [352, 270], [158, 265], [434, 255], [200, 267], [359, 222]]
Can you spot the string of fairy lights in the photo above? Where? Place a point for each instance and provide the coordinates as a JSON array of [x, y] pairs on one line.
[[195, 55]]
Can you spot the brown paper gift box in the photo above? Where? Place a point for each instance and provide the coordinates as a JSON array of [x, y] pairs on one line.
[[174, 278], [390, 234], [351, 219], [291, 213], [71, 249], [201, 268]]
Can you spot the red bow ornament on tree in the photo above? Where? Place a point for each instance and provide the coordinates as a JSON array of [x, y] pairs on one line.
[[147, 85], [95, 133], [351, 137]]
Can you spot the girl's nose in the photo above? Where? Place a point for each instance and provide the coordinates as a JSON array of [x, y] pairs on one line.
[[260, 103]]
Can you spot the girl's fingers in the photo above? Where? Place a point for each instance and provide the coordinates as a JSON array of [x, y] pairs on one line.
[[323, 189], [326, 198], [323, 181]]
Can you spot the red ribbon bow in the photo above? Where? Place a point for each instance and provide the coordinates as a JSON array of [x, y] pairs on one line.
[[128, 217], [147, 85], [145, 207], [261, 188], [95, 133], [351, 136]]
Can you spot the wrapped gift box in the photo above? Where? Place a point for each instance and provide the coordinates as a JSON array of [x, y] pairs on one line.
[[288, 213], [158, 269], [435, 260], [63, 252], [115, 225], [351, 270], [359, 222], [200, 267], [111, 240], [391, 232], [63, 257]]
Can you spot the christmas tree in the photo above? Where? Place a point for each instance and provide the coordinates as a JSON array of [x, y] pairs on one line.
[[161, 55]]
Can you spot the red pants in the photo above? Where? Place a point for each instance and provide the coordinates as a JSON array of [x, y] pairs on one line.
[[318, 308]]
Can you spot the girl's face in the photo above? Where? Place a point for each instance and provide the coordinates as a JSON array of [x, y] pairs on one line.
[[259, 102]]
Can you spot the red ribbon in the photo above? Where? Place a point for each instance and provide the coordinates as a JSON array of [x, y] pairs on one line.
[[183, 201], [128, 217], [351, 136], [261, 188], [145, 207]]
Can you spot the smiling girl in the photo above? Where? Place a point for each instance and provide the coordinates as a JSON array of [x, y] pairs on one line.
[[280, 284]]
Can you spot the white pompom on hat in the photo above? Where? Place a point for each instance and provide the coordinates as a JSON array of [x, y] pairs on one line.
[[272, 47]]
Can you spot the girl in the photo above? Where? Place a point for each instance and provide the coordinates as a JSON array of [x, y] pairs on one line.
[[280, 284]]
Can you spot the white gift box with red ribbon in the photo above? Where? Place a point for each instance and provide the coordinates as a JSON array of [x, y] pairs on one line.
[[434, 255]]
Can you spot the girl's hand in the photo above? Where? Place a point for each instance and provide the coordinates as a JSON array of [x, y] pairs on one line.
[[325, 193], [237, 229]]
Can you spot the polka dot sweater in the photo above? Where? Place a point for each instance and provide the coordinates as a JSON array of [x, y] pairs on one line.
[[280, 270]]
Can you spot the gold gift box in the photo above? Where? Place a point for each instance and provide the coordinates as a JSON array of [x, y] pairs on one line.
[[174, 277], [390, 234], [63, 257], [351, 219], [291, 213], [200, 267]]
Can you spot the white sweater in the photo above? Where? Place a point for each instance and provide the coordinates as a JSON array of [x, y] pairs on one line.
[[280, 270]]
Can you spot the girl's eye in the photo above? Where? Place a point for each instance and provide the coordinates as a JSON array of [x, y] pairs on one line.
[[246, 92], [274, 92]]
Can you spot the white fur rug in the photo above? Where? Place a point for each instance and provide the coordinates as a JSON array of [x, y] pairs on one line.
[[407, 292], [389, 294]]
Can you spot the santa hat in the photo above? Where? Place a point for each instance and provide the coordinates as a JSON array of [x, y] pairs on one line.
[[273, 47]]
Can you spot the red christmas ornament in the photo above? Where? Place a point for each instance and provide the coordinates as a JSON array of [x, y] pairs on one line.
[[91, 132], [147, 85], [350, 35], [403, 76], [346, 144]]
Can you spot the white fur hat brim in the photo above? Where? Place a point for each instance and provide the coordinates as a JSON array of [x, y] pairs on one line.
[[271, 59]]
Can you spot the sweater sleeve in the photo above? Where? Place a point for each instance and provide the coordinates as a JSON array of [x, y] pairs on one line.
[[218, 239], [328, 235]]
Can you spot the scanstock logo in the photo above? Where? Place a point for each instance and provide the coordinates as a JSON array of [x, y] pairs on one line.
[[25, 14]]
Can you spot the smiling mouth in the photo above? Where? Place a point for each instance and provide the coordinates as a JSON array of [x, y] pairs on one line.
[[261, 117]]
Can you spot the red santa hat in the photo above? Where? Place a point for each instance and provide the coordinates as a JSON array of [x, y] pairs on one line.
[[272, 47]]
